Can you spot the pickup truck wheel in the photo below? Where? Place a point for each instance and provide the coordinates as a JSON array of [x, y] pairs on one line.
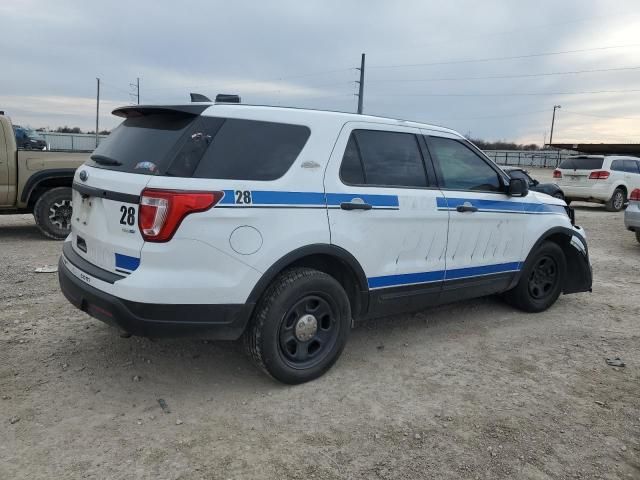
[[53, 211], [300, 326], [617, 201], [540, 281]]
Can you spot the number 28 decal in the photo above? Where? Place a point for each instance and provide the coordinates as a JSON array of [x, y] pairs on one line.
[[243, 197], [128, 215]]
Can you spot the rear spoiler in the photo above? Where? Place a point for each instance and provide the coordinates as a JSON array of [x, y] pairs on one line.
[[144, 110]]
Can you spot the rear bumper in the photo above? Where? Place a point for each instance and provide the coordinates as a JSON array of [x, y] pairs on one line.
[[595, 192], [215, 322]]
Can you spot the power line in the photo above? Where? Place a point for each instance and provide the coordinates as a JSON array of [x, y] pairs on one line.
[[532, 94], [636, 119], [515, 57], [491, 77]]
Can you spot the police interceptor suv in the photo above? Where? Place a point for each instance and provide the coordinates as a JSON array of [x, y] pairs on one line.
[[283, 226]]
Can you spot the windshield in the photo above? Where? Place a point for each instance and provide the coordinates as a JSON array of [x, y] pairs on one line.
[[582, 163], [32, 134]]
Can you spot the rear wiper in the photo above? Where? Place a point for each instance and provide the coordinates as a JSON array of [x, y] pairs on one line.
[[104, 160]]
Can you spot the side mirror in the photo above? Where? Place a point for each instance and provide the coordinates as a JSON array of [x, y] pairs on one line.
[[518, 188]]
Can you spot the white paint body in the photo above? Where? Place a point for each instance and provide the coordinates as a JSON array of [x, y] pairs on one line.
[[219, 255]]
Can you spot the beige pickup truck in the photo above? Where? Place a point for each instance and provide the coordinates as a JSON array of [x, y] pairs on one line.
[[37, 182]]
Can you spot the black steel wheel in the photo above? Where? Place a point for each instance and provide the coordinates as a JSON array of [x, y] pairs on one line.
[[308, 331], [300, 326], [541, 279]]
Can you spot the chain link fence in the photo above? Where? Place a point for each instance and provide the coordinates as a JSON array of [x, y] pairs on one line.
[[73, 142], [528, 158]]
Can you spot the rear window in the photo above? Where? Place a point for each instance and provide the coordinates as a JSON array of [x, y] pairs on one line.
[[204, 147], [582, 163]]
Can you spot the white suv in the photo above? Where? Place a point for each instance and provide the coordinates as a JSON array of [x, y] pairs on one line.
[[283, 226], [597, 178]]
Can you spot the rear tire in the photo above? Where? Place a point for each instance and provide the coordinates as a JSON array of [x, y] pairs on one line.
[[300, 326], [540, 281], [53, 212], [617, 201]]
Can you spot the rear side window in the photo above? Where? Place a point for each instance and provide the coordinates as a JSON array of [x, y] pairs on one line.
[[461, 168], [375, 157], [584, 163], [143, 144], [186, 145], [252, 150], [617, 166], [631, 166]]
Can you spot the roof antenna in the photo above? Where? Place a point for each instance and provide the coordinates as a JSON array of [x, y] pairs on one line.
[[197, 97]]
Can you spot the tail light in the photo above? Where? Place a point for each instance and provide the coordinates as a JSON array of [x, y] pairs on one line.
[[635, 195], [557, 174], [162, 211], [599, 175]]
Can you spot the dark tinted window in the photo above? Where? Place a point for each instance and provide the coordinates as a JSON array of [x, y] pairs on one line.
[[461, 167], [388, 158], [144, 144], [252, 150], [582, 163], [351, 168], [630, 166], [617, 166]]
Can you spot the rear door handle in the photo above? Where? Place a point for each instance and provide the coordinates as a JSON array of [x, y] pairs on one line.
[[466, 207], [355, 205]]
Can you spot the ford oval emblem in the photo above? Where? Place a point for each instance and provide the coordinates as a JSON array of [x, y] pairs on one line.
[[83, 175]]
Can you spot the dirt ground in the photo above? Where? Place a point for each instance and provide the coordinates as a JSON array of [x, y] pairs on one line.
[[475, 390]]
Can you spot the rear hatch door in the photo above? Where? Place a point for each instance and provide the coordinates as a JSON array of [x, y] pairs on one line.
[[107, 189], [576, 170]]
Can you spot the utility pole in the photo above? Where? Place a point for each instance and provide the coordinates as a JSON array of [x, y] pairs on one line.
[[136, 86], [97, 108], [361, 84], [553, 121]]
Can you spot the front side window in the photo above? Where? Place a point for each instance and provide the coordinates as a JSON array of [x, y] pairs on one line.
[[376, 157], [461, 168]]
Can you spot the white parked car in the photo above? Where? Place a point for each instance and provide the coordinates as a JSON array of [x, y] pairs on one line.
[[285, 225], [597, 178], [632, 213]]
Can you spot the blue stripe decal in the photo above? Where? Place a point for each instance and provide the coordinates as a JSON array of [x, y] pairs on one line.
[[456, 273], [439, 275], [126, 262], [265, 197], [500, 206]]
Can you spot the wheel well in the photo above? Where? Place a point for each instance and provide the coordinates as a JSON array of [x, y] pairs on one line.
[[340, 271], [624, 189], [48, 184], [573, 265]]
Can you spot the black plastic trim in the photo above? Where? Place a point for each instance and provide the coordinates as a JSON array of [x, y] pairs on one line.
[[77, 261], [309, 250], [108, 194], [142, 110], [215, 322], [43, 175]]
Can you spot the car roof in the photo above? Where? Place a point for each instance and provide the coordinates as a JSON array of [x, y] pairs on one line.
[[293, 114]]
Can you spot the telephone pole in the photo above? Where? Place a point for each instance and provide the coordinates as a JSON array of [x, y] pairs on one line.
[[97, 108], [136, 86], [361, 84], [553, 121]]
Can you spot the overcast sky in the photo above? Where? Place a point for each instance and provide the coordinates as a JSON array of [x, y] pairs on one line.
[[304, 53]]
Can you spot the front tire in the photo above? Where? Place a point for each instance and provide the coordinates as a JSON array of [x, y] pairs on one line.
[[540, 281], [53, 212], [300, 326], [617, 201]]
